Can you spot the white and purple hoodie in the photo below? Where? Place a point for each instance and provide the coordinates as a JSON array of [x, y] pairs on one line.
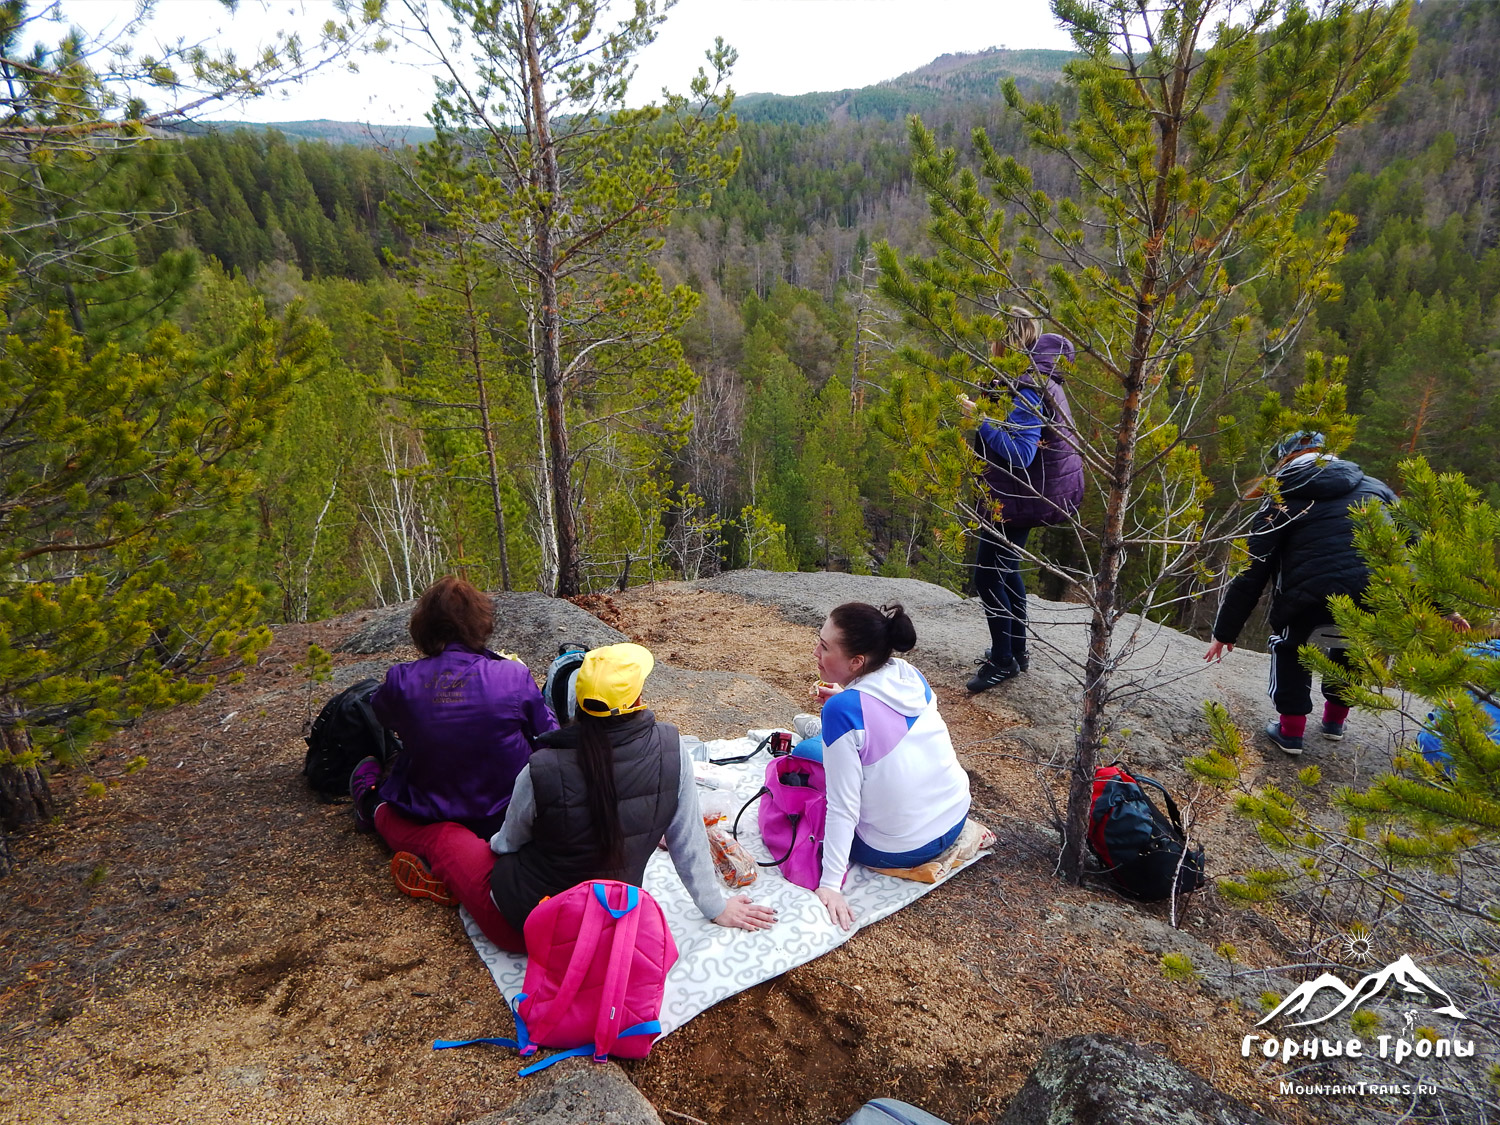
[[892, 774]]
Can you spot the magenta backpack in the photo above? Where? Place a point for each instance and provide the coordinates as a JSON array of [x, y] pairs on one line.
[[793, 817], [597, 961]]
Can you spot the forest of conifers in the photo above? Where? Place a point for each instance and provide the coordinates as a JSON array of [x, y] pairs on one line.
[[365, 490], [365, 476], [571, 343]]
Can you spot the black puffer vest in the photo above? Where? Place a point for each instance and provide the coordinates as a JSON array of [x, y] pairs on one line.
[[564, 846]]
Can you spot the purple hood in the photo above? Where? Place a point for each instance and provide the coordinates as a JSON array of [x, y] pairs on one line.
[[1049, 347], [1050, 489]]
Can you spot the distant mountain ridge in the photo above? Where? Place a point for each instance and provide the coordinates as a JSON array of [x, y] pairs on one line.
[[332, 132], [945, 80], [948, 78]]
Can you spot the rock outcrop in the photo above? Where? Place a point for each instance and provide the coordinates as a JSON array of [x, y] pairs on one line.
[[1159, 687], [1102, 1080]]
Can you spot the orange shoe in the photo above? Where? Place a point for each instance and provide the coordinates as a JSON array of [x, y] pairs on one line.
[[414, 878]]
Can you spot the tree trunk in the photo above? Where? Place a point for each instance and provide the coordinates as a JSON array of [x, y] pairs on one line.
[[1106, 584], [25, 799], [486, 430], [549, 525], [569, 578]]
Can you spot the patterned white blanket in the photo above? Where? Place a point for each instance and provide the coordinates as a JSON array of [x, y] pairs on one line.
[[714, 962]]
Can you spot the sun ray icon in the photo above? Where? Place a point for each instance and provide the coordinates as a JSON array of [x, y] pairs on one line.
[[1356, 944]]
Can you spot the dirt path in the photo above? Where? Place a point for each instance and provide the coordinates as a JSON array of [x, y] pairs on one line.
[[206, 943]]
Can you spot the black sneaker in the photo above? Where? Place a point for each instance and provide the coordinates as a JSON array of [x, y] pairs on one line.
[[1022, 660], [1334, 732], [990, 674], [1291, 745]]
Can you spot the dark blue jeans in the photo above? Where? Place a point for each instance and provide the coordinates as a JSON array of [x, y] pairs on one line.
[[997, 581], [861, 852]]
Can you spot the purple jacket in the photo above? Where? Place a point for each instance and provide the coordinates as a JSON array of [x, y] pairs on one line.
[[467, 721], [1050, 488]]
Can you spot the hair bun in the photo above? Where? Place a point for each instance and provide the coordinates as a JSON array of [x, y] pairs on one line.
[[899, 628]]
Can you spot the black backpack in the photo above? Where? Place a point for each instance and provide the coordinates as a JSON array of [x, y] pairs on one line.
[[1141, 850], [344, 734], [558, 690]]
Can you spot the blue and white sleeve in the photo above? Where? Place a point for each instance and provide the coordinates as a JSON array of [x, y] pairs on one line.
[[844, 738]]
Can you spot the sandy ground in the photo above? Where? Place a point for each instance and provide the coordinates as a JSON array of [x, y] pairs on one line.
[[207, 943]]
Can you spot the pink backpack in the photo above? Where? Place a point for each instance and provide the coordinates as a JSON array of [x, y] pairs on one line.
[[793, 818], [597, 961]]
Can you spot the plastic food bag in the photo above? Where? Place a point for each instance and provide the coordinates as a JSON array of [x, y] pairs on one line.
[[733, 862], [717, 805]]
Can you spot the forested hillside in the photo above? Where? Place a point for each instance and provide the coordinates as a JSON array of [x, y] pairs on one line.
[[782, 464], [335, 316], [1418, 316]]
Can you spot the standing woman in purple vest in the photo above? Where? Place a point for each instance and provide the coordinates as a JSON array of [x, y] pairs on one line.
[[1033, 474]]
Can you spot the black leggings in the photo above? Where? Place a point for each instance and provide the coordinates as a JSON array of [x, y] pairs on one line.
[[997, 581]]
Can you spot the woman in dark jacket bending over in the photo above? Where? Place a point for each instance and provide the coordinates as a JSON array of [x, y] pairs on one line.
[[599, 794]]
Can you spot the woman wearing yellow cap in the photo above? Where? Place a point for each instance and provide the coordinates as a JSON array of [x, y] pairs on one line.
[[597, 796]]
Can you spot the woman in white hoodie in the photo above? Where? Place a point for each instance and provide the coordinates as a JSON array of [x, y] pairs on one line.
[[897, 796]]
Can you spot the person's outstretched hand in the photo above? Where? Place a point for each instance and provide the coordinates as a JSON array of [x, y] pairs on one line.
[[838, 907], [1216, 652], [740, 913]]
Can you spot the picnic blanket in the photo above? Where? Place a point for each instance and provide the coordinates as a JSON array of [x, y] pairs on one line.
[[715, 962]]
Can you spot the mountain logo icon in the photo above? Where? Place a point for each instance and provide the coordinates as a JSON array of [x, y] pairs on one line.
[[1403, 970]]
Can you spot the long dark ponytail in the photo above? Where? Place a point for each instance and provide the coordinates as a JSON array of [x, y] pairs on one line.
[[596, 757]]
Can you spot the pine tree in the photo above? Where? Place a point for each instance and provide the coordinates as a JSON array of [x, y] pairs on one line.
[[1434, 595], [109, 462], [570, 190], [82, 170], [1201, 129], [121, 435], [465, 380]]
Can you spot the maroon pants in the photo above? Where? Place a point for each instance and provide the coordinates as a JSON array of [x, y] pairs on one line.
[[461, 860]]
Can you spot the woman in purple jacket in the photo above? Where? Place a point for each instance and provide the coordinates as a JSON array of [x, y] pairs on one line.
[[467, 718], [1033, 474]]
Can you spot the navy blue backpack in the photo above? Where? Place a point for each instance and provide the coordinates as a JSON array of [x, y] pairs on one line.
[[1141, 850]]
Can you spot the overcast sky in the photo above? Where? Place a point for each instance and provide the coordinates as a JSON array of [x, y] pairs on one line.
[[785, 46]]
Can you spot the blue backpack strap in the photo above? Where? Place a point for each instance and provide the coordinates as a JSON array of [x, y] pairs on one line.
[[632, 898], [571, 1053], [521, 1042], [524, 1043], [650, 1027]]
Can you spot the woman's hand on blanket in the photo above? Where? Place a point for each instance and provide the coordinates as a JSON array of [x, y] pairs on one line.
[[838, 907], [741, 914]]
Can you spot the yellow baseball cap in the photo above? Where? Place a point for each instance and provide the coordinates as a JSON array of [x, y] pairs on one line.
[[610, 679]]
